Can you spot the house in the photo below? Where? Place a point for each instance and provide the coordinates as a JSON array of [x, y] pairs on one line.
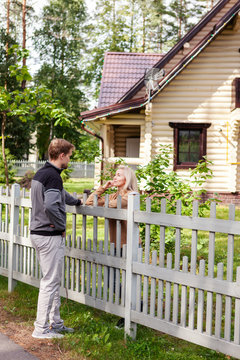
[[194, 105]]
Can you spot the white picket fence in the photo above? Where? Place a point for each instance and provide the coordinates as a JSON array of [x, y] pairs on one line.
[[79, 169], [195, 300]]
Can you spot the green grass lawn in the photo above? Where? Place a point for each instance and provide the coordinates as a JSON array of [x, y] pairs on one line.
[[78, 185]]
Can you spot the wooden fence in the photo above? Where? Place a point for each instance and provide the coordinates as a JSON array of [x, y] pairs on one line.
[[79, 169], [194, 299]]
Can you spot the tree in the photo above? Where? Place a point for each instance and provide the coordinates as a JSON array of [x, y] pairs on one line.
[[28, 103], [60, 42]]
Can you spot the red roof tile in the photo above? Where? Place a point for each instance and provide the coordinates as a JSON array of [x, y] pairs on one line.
[[121, 71]]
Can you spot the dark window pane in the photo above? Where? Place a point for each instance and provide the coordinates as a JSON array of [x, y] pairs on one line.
[[195, 157], [188, 146], [183, 157]]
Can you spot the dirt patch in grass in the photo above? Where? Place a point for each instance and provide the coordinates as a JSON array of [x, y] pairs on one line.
[[21, 333]]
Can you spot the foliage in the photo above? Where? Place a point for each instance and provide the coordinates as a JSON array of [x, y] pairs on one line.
[[60, 43], [87, 149], [25, 181], [65, 174], [11, 171], [160, 183]]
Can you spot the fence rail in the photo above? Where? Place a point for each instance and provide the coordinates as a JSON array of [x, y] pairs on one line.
[[191, 298], [79, 169]]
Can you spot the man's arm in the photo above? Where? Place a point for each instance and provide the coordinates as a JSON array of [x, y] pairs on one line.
[[52, 201], [70, 200]]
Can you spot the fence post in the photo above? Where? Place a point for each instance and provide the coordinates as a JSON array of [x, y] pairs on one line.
[[14, 219], [132, 254]]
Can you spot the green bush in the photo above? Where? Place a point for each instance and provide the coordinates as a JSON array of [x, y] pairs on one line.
[[158, 183], [11, 171]]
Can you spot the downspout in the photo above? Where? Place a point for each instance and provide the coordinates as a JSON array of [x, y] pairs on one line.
[[102, 144]]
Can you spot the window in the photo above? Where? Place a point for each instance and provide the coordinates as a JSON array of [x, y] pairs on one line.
[[189, 144], [236, 93]]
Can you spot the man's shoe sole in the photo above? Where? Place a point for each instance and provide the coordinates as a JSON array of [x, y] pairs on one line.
[[46, 336]]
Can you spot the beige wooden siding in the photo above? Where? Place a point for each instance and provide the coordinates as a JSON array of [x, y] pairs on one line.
[[203, 93], [121, 132], [195, 40], [238, 165]]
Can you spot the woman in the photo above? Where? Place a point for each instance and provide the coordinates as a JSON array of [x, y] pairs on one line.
[[125, 181]]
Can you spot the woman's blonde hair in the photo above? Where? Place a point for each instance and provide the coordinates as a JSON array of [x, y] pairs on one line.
[[131, 180]]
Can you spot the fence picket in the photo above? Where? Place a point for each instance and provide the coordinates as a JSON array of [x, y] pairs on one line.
[[147, 252], [112, 278], [78, 274], [161, 262], [105, 269], [118, 252], [193, 268], [123, 287], [153, 286], [184, 294], [177, 266], [228, 300], [211, 257], [168, 290], [99, 295], [218, 316], [89, 248], [95, 238], [200, 308], [237, 313], [139, 283]]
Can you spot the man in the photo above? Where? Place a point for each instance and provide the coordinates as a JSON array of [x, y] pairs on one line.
[[47, 229]]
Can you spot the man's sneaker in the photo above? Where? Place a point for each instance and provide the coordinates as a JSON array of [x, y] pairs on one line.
[[50, 334], [63, 329]]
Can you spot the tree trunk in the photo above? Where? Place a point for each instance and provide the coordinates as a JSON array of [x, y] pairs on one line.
[[144, 33], [24, 36], [4, 117], [4, 120], [180, 21], [132, 24]]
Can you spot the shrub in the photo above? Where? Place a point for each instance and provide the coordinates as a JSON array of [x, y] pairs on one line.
[[158, 182], [26, 180], [11, 170]]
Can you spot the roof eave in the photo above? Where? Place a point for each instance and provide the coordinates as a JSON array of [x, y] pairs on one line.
[[113, 109]]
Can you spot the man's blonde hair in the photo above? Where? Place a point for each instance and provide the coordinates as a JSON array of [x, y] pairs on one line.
[[131, 180]]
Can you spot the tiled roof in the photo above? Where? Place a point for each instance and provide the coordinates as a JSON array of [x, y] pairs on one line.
[[121, 71]]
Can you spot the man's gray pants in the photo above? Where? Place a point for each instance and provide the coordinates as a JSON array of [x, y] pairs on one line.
[[50, 253]]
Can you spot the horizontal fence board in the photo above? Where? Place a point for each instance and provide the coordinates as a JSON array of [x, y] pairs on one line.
[[4, 236], [26, 202], [26, 279], [187, 222], [96, 258], [99, 211], [21, 240], [186, 334], [187, 279], [94, 302], [5, 199], [3, 272]]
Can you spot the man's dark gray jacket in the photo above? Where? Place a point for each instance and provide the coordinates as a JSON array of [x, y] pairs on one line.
[[48, 216]]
